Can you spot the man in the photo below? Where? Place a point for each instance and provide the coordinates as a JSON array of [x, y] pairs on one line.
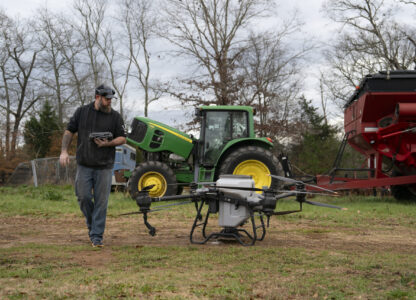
[[95, 158]]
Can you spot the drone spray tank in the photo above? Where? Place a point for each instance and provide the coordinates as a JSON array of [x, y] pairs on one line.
[[230, 214]]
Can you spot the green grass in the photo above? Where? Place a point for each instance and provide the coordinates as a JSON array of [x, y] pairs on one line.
[[51, 201], [360, 210], [54, 201], [206, 272], [229, 271]]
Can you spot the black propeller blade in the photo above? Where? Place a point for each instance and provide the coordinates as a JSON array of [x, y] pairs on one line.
[[324, 205], [191, 183], [147, 188], [158, 208], [240, 188], [276, 191], [306, 193], [290, 180]]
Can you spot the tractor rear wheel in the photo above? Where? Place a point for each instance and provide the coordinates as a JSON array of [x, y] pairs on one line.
[[255, 161], [403, 193], [153, 173]]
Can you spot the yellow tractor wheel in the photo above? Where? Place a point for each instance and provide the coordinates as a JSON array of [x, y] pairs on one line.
[[254, 161], [257, 170], [155, 174]]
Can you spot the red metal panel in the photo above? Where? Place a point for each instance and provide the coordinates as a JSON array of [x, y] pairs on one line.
[[406, 112], [340, 183]]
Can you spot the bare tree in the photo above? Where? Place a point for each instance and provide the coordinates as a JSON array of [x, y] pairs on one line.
[[118, 75], [409, 30], [270, 81], [17, 69], [5, 97], [324, 100], [210, 32], [97, 34], [138, 19], [77, 71], [49, 34], [89, 25], [371, 40], [408, 2]]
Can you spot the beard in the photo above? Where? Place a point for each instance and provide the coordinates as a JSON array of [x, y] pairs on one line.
[[104, 108]]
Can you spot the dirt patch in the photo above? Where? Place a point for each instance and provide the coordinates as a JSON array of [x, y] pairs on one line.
[[130, 231]]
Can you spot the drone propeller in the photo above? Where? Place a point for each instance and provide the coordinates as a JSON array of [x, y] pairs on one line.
[[290, 180], [307, 193], [324, 205], [179, 183], [158, 208], [254, 189], [147, 188], [191, 183], [239, 188]]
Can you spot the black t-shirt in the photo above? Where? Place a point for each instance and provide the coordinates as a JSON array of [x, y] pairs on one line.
[[86, 120]]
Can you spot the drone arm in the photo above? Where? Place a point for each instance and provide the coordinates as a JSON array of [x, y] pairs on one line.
[[285, 195], [144, 201], [324, 205], [286, 212], [173, 198]]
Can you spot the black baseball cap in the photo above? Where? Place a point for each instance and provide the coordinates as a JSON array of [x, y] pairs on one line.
[[105, 91]]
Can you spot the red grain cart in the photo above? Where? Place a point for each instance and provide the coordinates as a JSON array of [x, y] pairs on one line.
[[380, 123]]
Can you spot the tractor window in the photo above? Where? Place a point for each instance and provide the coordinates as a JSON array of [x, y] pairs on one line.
[[220, 128], [239, 124]]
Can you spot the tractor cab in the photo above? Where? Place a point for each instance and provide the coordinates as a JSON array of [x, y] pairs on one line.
[[219, 126]]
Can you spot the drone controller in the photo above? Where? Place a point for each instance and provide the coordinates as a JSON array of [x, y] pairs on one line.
[[105, 135]]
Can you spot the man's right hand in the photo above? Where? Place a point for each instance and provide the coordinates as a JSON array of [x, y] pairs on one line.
[[66, 140], [64, 159]]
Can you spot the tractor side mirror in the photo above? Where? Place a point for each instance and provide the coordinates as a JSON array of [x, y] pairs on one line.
[[198, 112]]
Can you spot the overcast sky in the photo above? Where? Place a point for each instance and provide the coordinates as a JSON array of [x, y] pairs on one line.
[[315, 25]]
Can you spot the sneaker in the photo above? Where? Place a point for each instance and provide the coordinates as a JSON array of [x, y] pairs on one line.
[[98, 244]]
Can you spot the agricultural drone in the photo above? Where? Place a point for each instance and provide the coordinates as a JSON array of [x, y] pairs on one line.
[[236, 200]]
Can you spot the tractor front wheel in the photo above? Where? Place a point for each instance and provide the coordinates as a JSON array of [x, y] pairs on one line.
[[255, 161], [153, 173]]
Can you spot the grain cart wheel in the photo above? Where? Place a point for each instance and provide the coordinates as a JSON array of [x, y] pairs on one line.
[[403, 193], [255, 161], [153, 173]]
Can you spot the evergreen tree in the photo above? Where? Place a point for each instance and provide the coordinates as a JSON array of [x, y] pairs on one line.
[[38, 133], [316, 151]]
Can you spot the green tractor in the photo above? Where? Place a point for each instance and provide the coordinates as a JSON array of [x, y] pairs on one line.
[[227, 145]]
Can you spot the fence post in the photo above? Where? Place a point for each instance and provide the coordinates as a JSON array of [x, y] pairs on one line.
[[58, 172], [35, 177]]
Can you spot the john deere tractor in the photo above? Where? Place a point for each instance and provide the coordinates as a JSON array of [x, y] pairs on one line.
[[227, 145]]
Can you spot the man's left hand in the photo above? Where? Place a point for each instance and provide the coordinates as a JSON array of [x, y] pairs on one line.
[[101, 142]]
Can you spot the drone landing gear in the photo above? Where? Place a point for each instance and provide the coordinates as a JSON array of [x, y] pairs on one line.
[[152, 230], [241, 235]]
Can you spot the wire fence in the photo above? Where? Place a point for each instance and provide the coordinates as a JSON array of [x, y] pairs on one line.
[[44, 171]]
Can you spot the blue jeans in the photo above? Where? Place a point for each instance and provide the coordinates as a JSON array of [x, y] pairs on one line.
[[93, 183]]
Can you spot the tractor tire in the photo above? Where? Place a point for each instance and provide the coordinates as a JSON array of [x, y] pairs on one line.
[[403, 193], [153, 172], [255, 161]]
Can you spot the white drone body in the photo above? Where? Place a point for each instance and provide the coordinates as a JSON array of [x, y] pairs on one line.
[[230, 214]]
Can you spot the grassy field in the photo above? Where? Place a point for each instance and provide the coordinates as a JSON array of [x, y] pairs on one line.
[[365, 252]]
